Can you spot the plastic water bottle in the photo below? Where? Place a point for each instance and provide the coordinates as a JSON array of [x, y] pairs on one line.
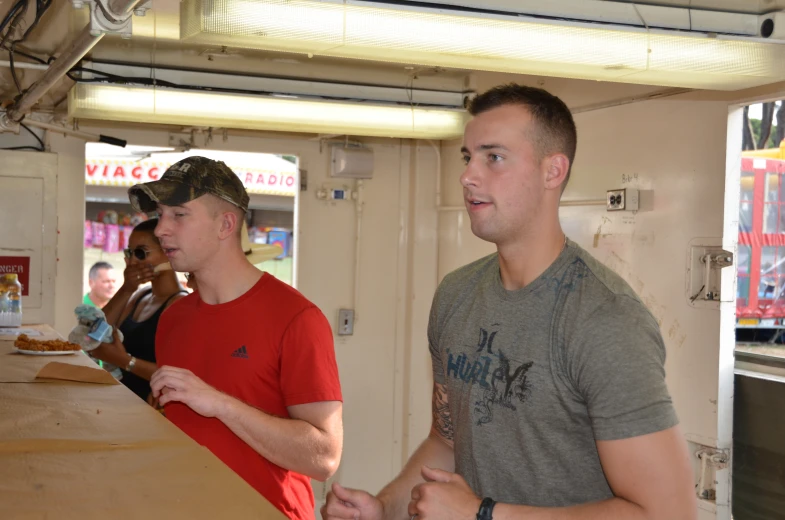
[[14, 288], [11, 301]]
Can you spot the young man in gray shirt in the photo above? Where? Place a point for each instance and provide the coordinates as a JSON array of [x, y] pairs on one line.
[[549, 399]]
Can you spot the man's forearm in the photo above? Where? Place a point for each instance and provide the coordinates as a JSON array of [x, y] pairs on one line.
[[612, 509], [293, 444], [434, 453]]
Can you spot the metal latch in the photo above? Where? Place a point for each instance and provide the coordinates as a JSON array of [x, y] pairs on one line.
[[704, 273], [714, 260], [712, 460]]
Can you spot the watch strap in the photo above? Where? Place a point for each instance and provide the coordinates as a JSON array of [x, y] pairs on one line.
[[486, 509]]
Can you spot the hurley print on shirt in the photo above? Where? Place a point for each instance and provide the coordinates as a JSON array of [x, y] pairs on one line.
[[502, 380]]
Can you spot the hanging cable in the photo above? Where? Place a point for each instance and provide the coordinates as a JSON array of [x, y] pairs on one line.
[[41, 7], [33, 148], [11, 14], [30, 131], [14, 22]]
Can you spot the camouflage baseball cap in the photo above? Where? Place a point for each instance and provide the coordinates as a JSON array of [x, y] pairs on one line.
[[187, 180]]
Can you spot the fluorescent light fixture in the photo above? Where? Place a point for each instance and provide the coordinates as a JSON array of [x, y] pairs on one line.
[[189, 107], [478, 41]]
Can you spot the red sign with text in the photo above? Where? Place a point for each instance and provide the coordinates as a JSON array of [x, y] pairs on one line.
[[128, 173], [19, 265]]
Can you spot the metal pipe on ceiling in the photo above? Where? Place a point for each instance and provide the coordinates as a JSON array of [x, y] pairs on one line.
[[24, 65], [121, 8], [99, 138], [59, 67], [77, 50]]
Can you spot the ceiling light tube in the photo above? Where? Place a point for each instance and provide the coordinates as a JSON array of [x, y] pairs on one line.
[[287, 114], [479, 41]]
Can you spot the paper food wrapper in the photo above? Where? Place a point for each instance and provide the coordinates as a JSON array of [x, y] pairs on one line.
[[68, 372]]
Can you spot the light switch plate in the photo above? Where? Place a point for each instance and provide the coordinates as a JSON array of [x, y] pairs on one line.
[[345, 322]]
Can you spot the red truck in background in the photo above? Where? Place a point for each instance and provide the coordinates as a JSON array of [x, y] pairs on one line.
[[760, 297]]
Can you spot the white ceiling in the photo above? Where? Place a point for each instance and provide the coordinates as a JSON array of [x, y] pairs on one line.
[[155, 41]]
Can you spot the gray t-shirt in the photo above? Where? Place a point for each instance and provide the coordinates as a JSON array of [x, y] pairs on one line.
[[535, 376]]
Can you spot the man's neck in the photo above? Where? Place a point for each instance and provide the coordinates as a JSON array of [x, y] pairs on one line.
[[97, 300], [226, 279], [523, 261]]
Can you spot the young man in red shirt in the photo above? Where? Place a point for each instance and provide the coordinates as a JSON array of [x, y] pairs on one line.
[[247, 363]]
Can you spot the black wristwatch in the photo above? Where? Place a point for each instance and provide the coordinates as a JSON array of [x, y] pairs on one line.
[[486, 509]]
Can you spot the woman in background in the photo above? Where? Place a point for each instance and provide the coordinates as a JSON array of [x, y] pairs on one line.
[[136, 311]]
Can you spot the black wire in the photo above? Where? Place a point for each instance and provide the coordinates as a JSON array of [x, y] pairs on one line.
[[22, 148], [130, 80], [27, 55], [10, 14], [30, 56], [12, 62], [43, 146], [15, 22], [113, 78], [11, 28], [13, 68], [698, 293], [41, 7]]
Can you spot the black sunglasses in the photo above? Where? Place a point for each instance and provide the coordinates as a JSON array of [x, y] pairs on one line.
[[138, 252]]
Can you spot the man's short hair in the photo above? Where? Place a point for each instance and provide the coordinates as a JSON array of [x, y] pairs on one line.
[[97, 267], [555, 128], [219, 206]]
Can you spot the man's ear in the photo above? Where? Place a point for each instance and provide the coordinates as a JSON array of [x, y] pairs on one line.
[[229, 224], [557, 167]]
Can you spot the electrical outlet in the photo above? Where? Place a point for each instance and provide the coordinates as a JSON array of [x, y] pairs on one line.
[[345, 322], [335, 193], [625, 199]]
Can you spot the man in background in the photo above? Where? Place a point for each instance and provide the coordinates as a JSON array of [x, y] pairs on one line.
[[103, 283]]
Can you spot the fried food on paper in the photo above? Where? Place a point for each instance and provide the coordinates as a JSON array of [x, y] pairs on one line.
[[24, 342]]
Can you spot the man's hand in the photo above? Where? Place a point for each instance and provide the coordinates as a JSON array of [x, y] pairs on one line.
[[351, 504], [177, 384], [444, 496]]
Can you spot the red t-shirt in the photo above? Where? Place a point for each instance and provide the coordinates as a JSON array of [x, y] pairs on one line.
[[270, 348]]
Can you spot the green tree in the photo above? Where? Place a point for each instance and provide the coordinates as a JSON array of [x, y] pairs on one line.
[[766, 132], [291, 158]]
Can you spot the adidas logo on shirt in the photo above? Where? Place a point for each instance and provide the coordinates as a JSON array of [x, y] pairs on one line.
[[241, 352]]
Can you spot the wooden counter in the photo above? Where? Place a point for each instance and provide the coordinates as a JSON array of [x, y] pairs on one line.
[[87, 451]]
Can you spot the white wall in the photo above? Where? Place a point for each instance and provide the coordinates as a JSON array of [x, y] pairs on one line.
[[70, 211], [70, 228]]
